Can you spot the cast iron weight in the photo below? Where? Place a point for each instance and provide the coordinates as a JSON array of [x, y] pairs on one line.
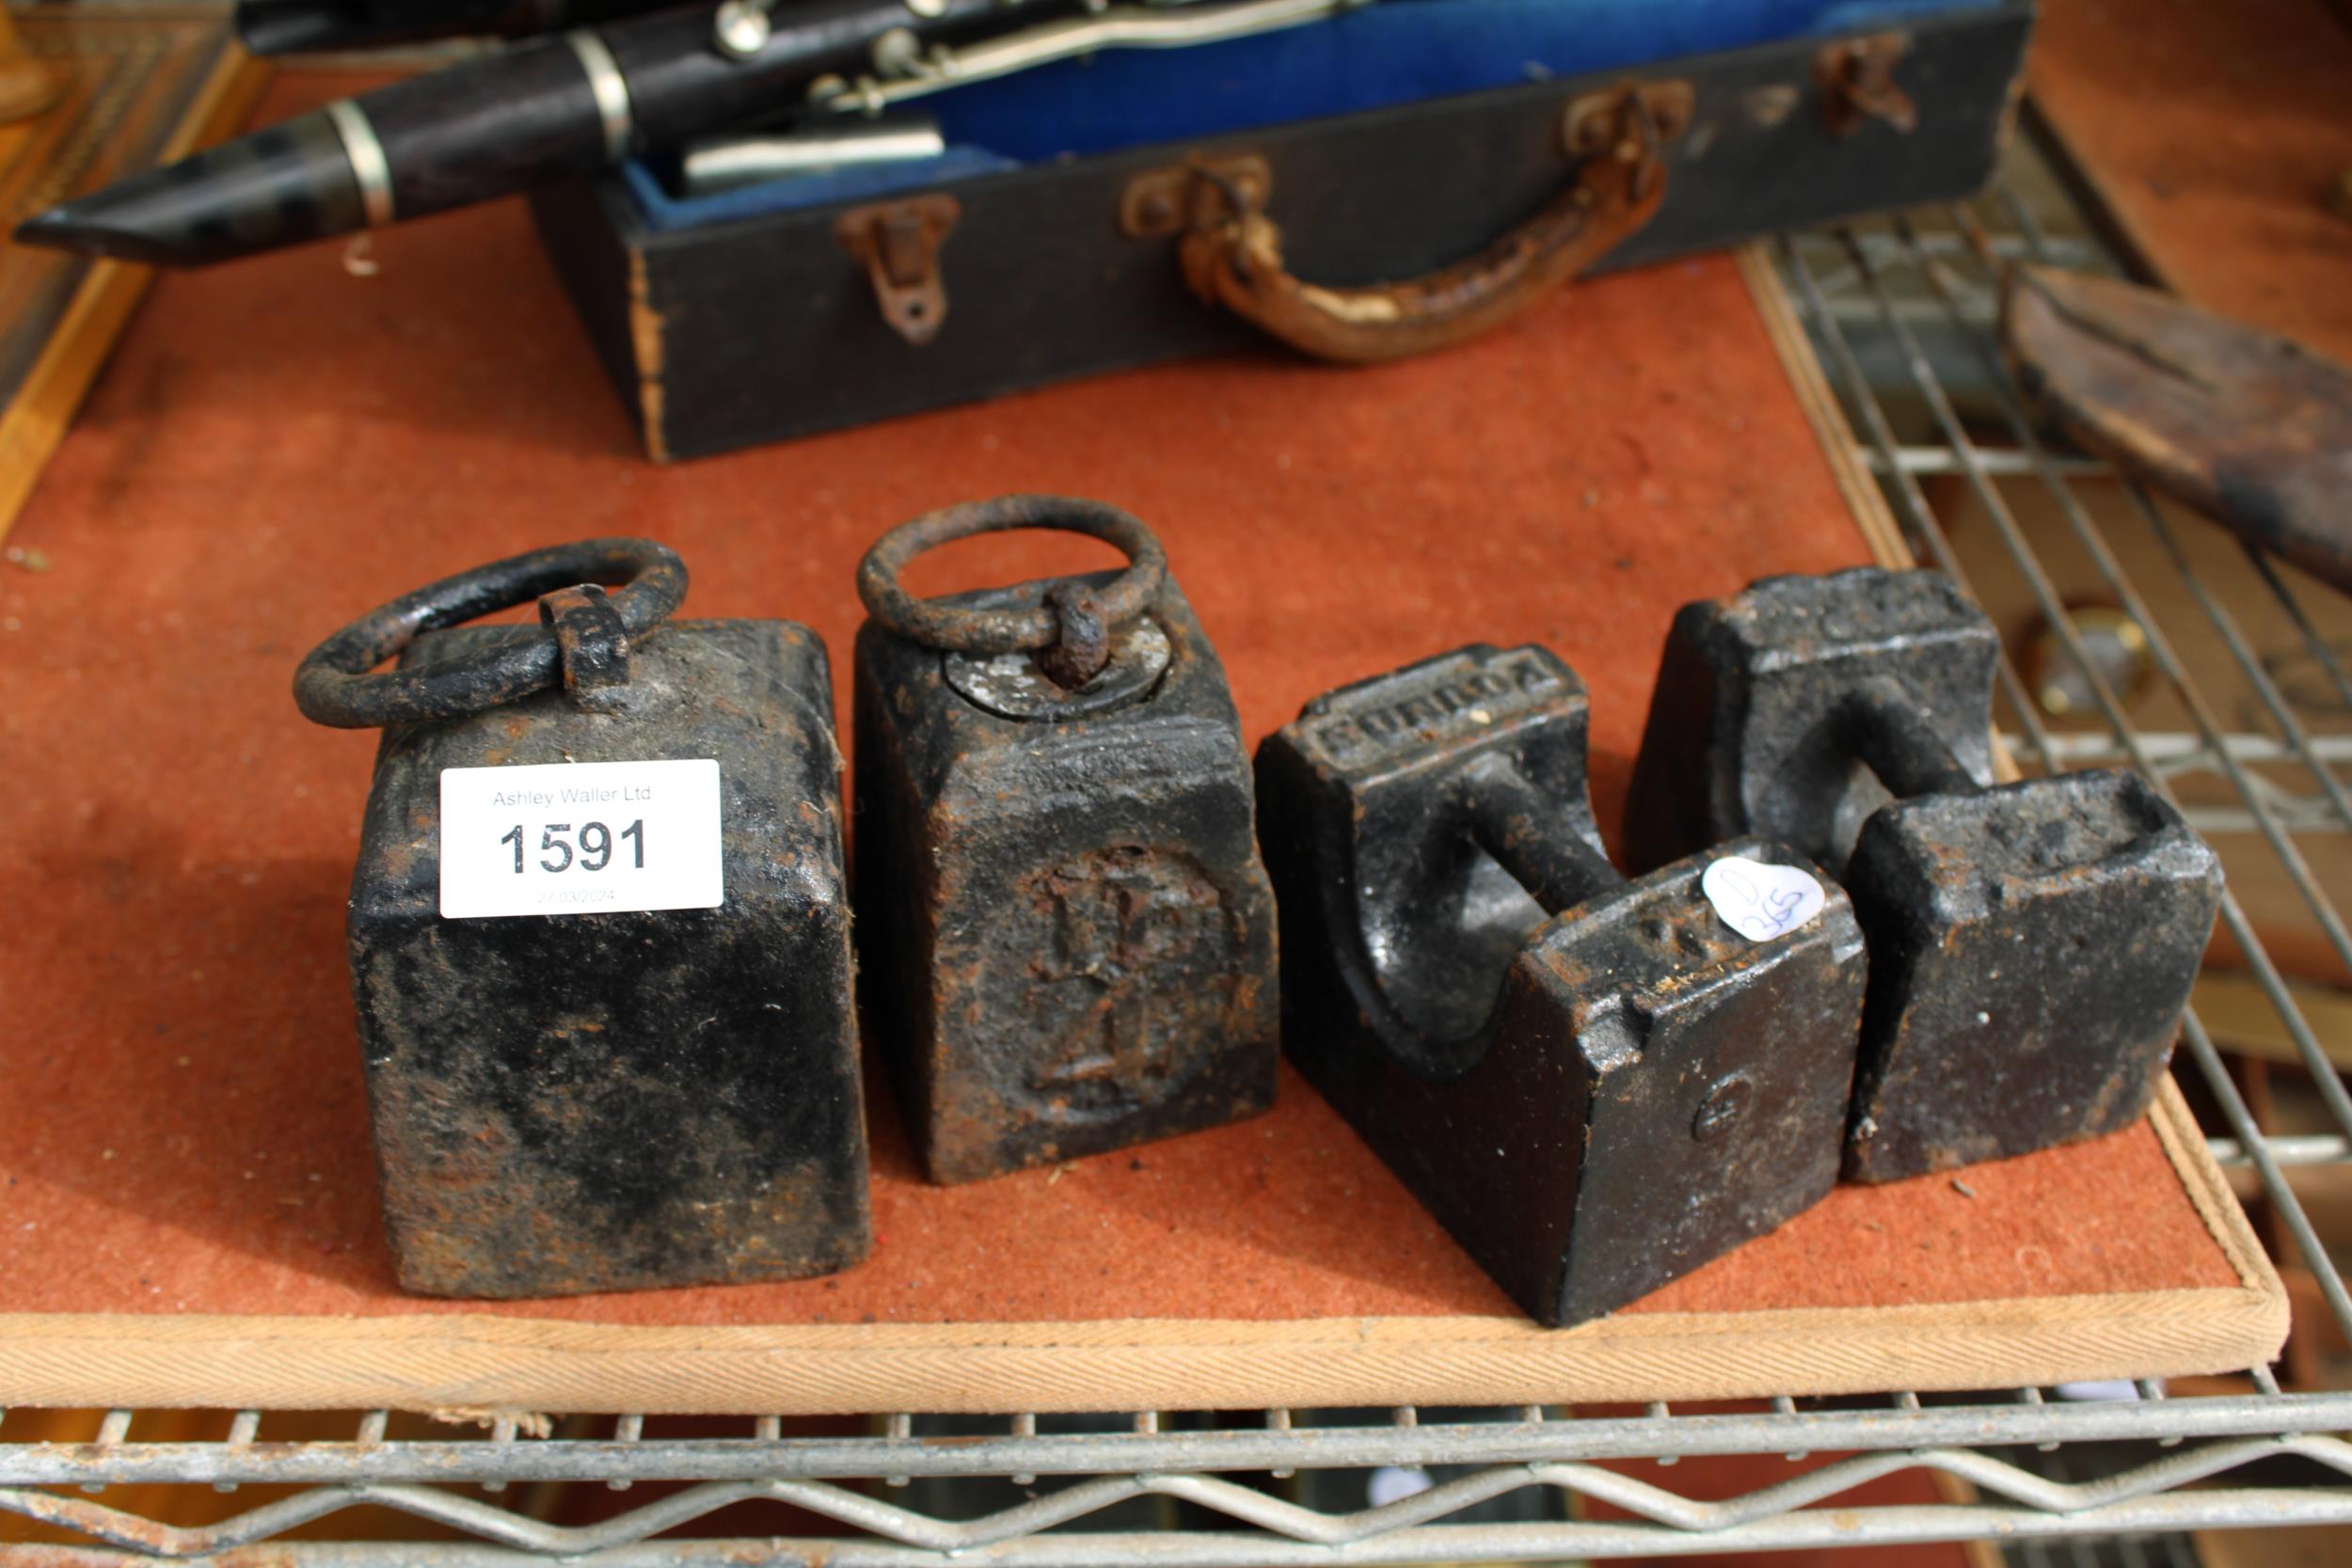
[[634, 1097], [1595, 1085], [2031, 945], [1066, 937]]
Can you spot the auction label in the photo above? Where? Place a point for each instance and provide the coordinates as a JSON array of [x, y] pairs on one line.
[[1759, 900], [581, 838]]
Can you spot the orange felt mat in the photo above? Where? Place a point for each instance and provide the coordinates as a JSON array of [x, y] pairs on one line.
[[2217, 131], [280, 444]]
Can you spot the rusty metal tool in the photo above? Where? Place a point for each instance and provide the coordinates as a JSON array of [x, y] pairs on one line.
[[1597, 1085], [632, 1059], [1066, 937], [2249, 428], [2031, 945]]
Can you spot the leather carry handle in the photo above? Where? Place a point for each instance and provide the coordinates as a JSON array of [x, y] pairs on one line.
[[1231, 252]]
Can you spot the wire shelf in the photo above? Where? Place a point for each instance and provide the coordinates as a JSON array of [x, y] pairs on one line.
[[1899, 312]]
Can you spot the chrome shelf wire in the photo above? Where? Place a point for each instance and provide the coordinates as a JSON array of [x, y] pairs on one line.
[[1900, 313]]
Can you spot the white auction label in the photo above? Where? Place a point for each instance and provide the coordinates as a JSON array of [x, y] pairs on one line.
[[1761, 901], [581, 838]]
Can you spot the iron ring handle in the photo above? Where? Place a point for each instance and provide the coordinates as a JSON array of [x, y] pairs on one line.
[[1231, 255], [958, 628], [333, 686]]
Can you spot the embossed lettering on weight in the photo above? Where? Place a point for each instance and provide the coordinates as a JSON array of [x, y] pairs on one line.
[[1726, 1102], [1446, 699], [1124, 947], [1100, 944]]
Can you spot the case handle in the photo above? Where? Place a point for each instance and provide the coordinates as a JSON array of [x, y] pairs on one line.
[[1231, 252]]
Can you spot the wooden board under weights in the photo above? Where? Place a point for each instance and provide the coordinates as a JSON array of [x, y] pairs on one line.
[[188, 1194]]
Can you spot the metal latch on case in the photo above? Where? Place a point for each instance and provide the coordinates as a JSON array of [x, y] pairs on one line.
[[898, 244], [1857, 81]]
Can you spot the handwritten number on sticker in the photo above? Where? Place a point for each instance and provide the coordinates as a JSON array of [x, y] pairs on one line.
[[1761, 901]]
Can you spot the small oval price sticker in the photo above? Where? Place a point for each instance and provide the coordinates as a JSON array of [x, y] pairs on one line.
[[1761, 901]]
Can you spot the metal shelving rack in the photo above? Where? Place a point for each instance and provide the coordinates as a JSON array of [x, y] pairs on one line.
[[1899, 312]]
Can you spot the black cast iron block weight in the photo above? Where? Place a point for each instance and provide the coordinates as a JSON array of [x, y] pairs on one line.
[[599, 934], [2031, 945], [1066, 937], [1597, 1085]]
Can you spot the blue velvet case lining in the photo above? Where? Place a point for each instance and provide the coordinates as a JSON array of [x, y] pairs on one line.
[[1390, 53]]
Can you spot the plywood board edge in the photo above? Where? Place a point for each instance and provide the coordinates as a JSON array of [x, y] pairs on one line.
[[431, 1362], [2208, 1188], [1872, 517]]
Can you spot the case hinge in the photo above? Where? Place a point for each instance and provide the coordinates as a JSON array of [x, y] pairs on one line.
[[899, 242], [1631, 123], [1857, 82], [1194, 194]]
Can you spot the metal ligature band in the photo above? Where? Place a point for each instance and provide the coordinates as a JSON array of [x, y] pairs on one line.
[[369, 169], [611, 88]]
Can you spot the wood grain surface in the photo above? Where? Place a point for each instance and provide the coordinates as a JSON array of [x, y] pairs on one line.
[[135, 89], [2216, 132]]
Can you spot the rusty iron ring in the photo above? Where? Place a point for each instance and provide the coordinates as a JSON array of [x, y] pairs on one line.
[[333, 687], [957, 628]]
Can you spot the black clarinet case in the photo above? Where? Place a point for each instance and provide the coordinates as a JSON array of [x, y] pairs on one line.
[[1391, 181]]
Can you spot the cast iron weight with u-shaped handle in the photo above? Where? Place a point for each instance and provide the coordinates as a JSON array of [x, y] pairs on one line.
[[2031, 945], [1595, 1085]]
